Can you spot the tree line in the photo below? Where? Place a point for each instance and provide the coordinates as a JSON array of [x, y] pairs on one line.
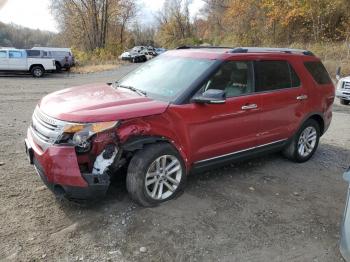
[[90, 25], [255, 22], [12, 35]]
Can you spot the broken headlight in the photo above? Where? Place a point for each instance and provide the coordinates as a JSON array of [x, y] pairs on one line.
[[80, 134]]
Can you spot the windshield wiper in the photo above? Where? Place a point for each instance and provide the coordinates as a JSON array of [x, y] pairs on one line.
[[140, 92]]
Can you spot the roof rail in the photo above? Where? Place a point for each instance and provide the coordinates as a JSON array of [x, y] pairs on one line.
[[270, 50], [203, 47]]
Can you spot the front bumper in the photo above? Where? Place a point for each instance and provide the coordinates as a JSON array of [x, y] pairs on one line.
[[345, 229], [59, 169], [343, 94]]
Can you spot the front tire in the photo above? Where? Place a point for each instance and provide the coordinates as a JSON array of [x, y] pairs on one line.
[[304, 143], [155, 174], [37, 71], [344, 102]]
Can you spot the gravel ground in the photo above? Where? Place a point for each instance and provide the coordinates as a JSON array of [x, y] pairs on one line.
[[267, 209]]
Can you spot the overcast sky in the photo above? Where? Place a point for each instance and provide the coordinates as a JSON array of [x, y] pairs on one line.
[[36, 13]]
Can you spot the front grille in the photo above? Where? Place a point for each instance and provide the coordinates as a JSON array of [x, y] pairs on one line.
[[346, 85], [44, 129]]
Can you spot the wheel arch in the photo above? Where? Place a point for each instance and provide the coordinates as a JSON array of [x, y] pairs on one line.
[[318, 117], [136, 143], [40, 65]]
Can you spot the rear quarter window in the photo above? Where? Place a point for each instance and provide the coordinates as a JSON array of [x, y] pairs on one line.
[[318, 72]]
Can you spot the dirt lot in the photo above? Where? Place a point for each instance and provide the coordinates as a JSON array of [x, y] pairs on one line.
[[267, 209]]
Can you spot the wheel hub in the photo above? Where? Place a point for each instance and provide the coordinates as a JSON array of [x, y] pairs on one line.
[[307, 141], [163, 177]]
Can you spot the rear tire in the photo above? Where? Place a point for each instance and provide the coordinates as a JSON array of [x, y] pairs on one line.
[[155, 174], [305, 142], [344, 102], [58, 67], [37, 71]]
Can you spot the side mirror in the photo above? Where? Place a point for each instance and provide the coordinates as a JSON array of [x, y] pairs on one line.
[[338, 73], [346, 175], [211, 96]]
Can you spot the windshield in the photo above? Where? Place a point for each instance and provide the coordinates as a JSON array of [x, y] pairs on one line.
[[166, 77]]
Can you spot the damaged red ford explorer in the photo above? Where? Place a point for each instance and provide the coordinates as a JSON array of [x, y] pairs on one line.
[[187, 110]]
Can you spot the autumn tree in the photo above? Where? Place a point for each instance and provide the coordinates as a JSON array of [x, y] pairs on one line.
[[92, 24], [174, 25]]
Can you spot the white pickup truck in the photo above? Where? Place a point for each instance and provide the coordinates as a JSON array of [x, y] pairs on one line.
[[16, 60]]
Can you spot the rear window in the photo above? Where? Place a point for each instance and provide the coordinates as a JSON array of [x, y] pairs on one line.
[[275, 75], [3, 54], [318, 72]]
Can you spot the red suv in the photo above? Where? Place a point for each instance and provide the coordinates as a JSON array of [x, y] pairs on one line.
[[187, 110]]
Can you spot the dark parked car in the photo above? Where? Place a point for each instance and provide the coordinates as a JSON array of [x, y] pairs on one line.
[[345, 230], [185, 111]]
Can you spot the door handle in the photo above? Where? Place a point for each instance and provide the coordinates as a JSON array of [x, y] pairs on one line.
[[250, 106], [302, 97]]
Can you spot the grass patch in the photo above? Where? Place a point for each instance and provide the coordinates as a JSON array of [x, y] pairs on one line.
[[93, 68]]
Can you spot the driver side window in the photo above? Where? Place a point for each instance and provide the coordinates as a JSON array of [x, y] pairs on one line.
[[233, 77]]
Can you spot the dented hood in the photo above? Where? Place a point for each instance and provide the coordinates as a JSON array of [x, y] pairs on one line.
[[99, 103]]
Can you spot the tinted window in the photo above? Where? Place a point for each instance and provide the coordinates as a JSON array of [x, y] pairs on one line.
[[234, 77], [274, 75], [3, 54], [33, 52], [61, 53], [295, 77], [15, 54], [318, 72]]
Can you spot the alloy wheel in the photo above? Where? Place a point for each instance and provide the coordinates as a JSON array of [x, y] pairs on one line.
[[307, 141], [163, 177]]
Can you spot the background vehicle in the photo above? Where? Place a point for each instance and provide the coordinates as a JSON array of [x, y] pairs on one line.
[[126, 56], [64, 58], [139, 54], [149, 54], [184, 111], [16, 60], [343, 89], [160, 50], [345, 230]]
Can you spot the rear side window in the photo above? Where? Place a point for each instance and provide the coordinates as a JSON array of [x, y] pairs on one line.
[[274, 75], [33, 52], [318, 72], [3, 54]]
